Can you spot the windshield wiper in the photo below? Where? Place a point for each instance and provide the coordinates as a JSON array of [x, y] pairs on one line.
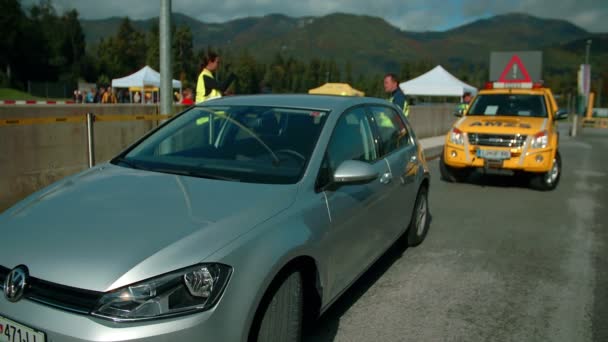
[[195, 173], [128, 163]]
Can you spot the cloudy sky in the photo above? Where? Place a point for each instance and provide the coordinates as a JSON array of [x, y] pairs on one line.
[[417, 15]]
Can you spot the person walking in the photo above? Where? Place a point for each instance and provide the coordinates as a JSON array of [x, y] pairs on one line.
[[109, 97], [207, 87], [391, 86], [464, 105]]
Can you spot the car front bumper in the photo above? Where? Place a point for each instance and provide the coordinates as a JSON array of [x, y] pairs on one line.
[[63, 326], [537, 160]]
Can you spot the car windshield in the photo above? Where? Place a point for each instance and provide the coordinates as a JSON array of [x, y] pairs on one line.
[[509, 105], [237, 143]]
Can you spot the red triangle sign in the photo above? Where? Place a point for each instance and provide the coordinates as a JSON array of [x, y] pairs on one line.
[[512, 72]]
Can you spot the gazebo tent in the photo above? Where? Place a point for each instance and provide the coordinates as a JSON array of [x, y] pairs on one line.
[[343, 89], [144, 79], [437, 82]]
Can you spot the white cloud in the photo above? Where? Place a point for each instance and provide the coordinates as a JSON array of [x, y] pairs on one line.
[[407, 14]]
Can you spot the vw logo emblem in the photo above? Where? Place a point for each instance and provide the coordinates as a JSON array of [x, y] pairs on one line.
[[15, 283]]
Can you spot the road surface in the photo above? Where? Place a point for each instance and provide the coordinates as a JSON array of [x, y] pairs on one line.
[[501, 262]]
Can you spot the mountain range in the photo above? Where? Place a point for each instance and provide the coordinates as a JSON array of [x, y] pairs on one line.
[[372, 44]]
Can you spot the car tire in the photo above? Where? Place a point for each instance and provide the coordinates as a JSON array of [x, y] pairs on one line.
[[421, 219], [282, 311], [450, 174], [548, 181]]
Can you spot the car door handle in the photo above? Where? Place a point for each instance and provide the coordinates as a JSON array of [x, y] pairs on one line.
[[386, 178]]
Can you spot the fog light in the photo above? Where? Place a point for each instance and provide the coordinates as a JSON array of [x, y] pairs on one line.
[[454, 154], [539, 158]]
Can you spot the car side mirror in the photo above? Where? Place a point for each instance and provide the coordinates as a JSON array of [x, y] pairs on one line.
[[354, 171], [458, 113], [561, 114]]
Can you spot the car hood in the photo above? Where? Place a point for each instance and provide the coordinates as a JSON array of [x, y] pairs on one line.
[[502, 125], [111, 226]]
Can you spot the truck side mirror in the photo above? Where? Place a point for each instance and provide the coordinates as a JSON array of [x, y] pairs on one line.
[[561, 114]]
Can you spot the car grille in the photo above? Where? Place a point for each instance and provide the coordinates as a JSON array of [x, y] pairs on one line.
[[55, 295], [497, 140]]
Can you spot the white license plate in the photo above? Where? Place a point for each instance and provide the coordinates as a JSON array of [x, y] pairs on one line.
[[11, 331], [494, 154]]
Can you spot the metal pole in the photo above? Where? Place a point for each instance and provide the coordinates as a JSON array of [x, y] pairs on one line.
[[91, 138], [166, 84]]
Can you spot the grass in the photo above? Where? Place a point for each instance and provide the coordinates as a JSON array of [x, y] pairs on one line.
[[14, 94]]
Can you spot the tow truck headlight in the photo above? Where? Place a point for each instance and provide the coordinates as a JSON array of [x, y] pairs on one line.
[[456, 136], [540, 140]]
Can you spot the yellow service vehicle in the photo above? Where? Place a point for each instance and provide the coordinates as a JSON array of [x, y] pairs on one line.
[[508, 126]]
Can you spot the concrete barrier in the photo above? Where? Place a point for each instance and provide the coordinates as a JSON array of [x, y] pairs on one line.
[[34, 156]]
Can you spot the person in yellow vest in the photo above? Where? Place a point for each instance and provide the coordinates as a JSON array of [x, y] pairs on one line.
[[391, 86], [464, 105], [207, 87]]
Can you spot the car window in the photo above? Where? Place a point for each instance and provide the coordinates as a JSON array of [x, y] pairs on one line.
[[393, 131], [352, 139], [255, 144], [509, 105]]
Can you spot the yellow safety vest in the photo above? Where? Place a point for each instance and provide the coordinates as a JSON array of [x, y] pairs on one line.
[[200, 88], [406, 107]]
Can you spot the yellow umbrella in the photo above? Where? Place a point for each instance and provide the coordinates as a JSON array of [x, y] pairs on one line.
[[342, 89]]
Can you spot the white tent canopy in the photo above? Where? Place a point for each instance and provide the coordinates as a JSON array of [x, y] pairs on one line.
[[143, 78], [437, 82]]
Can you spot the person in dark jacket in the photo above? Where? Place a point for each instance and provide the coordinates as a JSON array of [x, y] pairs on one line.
[[391, 86]]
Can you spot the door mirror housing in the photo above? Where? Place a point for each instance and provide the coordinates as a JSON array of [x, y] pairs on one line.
[[561, 114], [354, 171], [458, 113]]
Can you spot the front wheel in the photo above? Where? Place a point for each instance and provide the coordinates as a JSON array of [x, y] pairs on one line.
[[421, 218], [548, 181], [451, 174], [282, 311]]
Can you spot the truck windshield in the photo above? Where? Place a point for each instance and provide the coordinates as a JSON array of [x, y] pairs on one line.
[[252, 144], [509, 105]]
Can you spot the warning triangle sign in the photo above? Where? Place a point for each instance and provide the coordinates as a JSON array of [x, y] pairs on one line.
[[515, 72]]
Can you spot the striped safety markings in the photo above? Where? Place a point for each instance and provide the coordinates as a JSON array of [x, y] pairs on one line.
[[82, 118], [33, 102]]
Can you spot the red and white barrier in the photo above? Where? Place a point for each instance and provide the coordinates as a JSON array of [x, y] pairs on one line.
[[34, 102]]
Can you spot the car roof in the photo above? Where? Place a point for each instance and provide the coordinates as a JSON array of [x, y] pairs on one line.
[[320, 102]]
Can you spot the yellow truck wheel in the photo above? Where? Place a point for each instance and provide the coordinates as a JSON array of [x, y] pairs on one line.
[[451, 174], [548, 180]]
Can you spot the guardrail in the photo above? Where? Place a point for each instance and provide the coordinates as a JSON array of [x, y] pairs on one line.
[[90, 119]]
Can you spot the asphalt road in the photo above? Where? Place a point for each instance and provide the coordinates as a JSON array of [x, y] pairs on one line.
[[501, 262]]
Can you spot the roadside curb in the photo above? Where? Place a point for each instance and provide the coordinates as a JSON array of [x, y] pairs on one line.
[[433, 146]]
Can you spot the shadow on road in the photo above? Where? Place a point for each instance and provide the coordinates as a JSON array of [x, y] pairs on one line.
[[498, 180], [328, 324]]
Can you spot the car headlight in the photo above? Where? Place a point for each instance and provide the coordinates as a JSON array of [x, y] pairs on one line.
[[540, 140], [192, 289], [456, 136]]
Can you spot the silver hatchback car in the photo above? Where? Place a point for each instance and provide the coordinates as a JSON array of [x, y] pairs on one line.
[[237, 220]]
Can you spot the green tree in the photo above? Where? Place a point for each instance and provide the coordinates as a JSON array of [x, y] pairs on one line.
[[183, 55], [153, 47]]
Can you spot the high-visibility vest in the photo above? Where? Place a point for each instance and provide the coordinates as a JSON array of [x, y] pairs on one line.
[[406, 106], [463, 107], [200, 88]]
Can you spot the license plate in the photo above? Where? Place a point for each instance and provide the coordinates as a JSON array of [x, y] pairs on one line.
[[494, 154], [11, 331]]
